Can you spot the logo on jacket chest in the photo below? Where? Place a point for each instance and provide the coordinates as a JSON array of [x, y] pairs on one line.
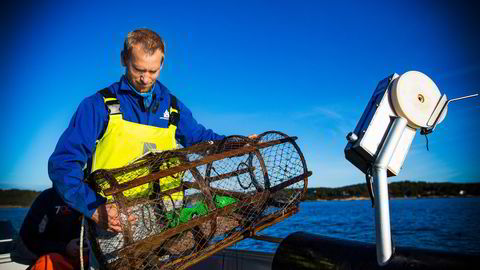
[[166, 115]]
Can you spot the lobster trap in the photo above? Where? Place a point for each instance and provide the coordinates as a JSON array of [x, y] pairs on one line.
[[192, 202]]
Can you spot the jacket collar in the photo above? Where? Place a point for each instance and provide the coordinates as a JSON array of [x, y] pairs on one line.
[[158, 88]]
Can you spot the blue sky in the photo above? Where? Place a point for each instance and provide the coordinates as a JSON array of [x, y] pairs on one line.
[[307, 68]]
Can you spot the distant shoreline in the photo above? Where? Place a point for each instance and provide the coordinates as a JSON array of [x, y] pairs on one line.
[[362, 198], [397, 190], [351, 198], [14, 206]]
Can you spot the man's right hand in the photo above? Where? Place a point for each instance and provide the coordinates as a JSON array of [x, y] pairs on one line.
[[107, 217], [73, 248]]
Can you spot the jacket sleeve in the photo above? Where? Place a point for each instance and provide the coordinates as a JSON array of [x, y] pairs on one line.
[[189, 131], [73, 150], [34, 239]]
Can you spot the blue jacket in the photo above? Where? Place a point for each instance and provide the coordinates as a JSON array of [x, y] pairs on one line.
[[77, 143]]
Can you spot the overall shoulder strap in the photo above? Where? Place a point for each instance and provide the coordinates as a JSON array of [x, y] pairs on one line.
[[113, 108], [106, 93], [111, 101], [174, 111]]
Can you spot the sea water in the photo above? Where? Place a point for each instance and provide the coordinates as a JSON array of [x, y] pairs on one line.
[[449, 224]]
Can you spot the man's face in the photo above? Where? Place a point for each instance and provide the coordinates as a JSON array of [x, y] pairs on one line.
[[142, 68]]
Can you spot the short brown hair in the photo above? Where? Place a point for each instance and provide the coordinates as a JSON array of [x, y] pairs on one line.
[[149, 40]]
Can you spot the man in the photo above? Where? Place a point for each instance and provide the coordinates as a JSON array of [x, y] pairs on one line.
[[120, 123], [51, 231]]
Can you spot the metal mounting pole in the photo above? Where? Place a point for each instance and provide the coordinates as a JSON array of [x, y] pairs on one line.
[[382, 211]]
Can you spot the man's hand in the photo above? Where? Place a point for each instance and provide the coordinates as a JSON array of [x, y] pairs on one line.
[[73, 248], [107, 217]]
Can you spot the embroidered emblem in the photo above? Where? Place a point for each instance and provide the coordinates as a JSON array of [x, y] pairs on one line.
[[166, 115]]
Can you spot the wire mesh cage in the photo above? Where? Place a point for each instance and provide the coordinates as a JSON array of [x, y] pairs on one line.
[[191, 202]]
